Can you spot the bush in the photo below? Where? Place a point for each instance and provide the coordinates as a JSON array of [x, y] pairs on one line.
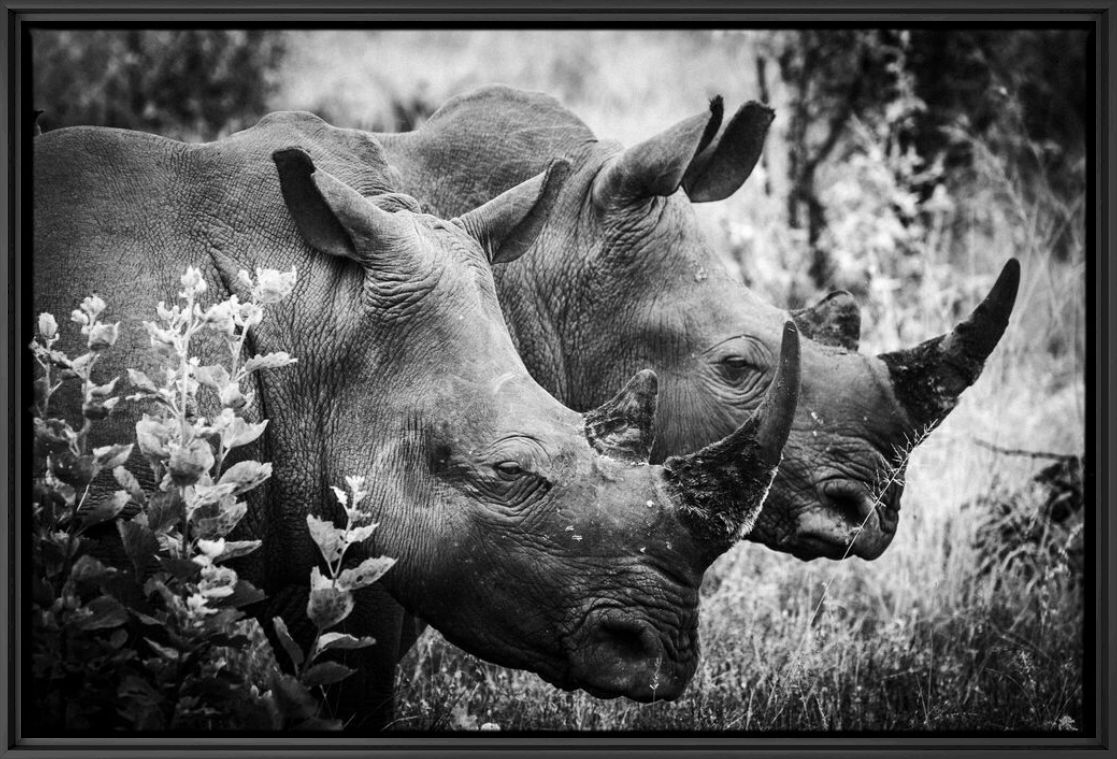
[[148, 632], [194, 84]]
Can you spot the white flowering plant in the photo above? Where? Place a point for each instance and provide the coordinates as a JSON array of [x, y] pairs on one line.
[[141, 627], [331, 594]]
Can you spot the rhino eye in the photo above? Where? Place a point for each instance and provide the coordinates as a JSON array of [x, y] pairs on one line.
[[509, 470], [734, 369]]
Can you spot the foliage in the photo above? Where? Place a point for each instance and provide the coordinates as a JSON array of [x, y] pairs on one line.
[[147, 632], [331, 595], [189, 84]]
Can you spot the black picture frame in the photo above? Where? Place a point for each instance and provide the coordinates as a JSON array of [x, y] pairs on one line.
[[1098, 15]]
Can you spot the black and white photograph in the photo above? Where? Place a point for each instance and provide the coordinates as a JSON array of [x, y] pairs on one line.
[[467, 381]]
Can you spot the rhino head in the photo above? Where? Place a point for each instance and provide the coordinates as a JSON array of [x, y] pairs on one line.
[[624, 279], [527, 533]]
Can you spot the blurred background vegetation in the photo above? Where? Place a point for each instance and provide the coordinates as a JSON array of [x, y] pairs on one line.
[[905, 166]]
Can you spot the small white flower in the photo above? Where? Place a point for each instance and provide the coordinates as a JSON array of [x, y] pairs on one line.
[[196, 605], [249, 315], [220, 317], [93, 306], [211, 548], [192, 280], [272, 285], [48, 327], [166, 314]]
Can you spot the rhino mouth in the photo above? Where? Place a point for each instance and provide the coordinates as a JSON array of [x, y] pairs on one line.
[[850, 521], [617, 653]]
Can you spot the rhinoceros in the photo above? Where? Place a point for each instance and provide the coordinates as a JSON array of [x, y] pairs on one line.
[[528, 534], [621, 278]]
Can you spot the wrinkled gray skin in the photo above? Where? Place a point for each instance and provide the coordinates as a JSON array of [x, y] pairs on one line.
[[622, 279], [528, 534]]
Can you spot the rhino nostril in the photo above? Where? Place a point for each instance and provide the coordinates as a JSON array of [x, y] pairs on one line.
[[629, 641], [849, 499]]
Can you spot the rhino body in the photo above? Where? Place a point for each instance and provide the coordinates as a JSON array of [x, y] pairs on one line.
[[528, 534], [622, 279]]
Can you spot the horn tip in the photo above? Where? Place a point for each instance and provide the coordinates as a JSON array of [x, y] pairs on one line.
[[646, 381], [1003, 295], [789, 347], [759, 112]]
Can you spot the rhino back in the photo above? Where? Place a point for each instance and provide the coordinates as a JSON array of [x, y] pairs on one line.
[[480, 144]]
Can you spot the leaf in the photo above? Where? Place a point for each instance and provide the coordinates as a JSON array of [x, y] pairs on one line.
[[140, 545], [129, 482], [361, 534], [343, 641], [244, 593], [104, 391], [77, 471], [295, 702], [224, 519], [111, 456], [180, 569], [104, 510], [326, 673], [364, 574], [215, 376], [287, 641], [328, 606], [275, 360], [189, 462], [106, 611], [54, 435], [327, 537], [96, 410], [246, 475], [152, 436], [165, 651], [118, 638], [165, 511], [89, 569], [240, 432], [235, 548], [141, 381]]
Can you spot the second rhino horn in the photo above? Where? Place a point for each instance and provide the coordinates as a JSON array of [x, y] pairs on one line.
[[624, 426]]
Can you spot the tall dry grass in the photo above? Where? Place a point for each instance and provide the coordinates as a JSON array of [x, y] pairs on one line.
[[916, 640]]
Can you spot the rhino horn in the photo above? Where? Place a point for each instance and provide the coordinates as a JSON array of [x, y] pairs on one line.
[[724, 165], [721, 488], [834, 320], [624, 426], [656, 166], [928, 379], [508, 224], [330, 215]]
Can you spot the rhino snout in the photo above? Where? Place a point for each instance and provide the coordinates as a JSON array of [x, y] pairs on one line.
[[618, 654], [850, 520]]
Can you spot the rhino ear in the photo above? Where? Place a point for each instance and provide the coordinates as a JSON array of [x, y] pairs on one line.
[[508, 224], [724, 165], [331, 216], [656, 167], [834, 320]]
